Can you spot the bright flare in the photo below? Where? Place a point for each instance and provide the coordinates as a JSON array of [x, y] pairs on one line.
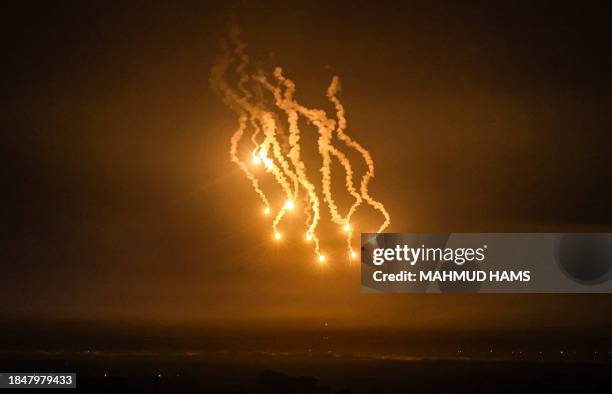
[[262, 153], [280, 151]]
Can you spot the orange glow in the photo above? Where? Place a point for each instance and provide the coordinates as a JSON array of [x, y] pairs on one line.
[[280, 150]]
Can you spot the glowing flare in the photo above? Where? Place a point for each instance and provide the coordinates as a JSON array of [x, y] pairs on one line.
[[239, 104], [285, 102], [280, 151], [325, 127]]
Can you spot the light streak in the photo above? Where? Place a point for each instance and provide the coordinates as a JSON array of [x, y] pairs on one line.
[[280, 153]]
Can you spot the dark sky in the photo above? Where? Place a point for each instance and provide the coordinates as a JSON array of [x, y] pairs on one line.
[[119, 199]]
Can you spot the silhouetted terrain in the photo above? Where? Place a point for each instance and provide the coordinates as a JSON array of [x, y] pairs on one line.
[[193, 374], [120, 357]]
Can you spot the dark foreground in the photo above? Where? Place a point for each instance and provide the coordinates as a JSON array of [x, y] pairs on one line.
[[132, 358], [276, 373]]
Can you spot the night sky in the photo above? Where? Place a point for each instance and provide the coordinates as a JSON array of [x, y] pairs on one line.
[[119, 200]]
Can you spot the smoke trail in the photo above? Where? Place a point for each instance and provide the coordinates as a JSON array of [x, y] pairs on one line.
[[269, 129], [332, 91], [255, 114], [325, 127], [280, 154], [254, 111], [230, 98], [284, 102]]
